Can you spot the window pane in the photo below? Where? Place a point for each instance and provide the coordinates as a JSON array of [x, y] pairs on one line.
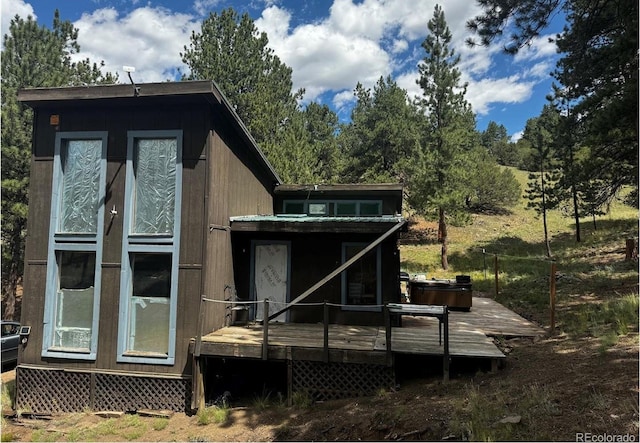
[[293, 207], [345, 209], [361, 277], [367, 208], [74, 300], [155, 185], [80, 186], [149, 313], [317, 208]]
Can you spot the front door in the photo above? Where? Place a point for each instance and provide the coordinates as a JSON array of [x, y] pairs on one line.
[[271, 277]]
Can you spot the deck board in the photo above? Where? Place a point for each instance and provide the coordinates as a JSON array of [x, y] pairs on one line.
[[469, 336]]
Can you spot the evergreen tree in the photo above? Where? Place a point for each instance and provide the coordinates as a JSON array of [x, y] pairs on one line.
[[491, 188], [230, 51], [32, 56], [384, 133], [308, 148], [540, 131], [440, 174], [598, 72]]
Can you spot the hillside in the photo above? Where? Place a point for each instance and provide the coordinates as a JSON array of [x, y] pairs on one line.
[[580, 378]]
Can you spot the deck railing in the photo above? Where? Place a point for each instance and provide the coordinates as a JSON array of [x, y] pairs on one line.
[[389, 310]]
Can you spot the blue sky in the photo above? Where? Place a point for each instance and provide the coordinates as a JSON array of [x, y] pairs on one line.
[[330, 45]]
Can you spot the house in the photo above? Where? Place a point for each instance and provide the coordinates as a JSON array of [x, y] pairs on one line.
[[147, 200]]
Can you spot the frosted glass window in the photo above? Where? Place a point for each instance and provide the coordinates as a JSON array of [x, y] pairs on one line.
[[80, 186], [150, 307], [74, 300], [155, 185]]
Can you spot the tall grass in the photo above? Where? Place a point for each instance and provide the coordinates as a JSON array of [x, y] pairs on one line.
[[592, 269]]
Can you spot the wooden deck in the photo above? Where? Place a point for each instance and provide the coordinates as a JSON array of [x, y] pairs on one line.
[[469, 334]]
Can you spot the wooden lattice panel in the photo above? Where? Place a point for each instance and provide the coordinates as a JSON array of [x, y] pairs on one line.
[[52, 391], [128, 393], [326, 381], [46, 391]]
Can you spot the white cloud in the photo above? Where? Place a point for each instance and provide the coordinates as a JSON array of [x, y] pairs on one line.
[[204, 7], [517, 136], [399, 46], [11, 8], [540, 47], [148, 38], [321, 58], [482, 93], [541, 70], [355, 41]]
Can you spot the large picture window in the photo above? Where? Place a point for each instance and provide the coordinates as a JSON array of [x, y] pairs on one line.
[[149, 285], [75, 246]]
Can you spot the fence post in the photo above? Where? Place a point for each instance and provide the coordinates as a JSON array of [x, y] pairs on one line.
[[552, 296], [265, 330], [495, 266]]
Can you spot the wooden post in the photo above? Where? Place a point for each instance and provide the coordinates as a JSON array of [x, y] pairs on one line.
[[446, 356], [495, 266], [289, 377], [265, 330], [325, 319], [552, 296], [387, 330], [198, 344]]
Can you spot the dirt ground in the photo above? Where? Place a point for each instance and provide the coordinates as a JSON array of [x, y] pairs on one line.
[[551, 388]]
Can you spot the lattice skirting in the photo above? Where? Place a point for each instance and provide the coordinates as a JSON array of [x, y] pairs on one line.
[[326, 381], [53, 391]]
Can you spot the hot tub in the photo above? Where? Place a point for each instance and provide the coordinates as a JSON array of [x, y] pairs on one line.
[[456, 294]]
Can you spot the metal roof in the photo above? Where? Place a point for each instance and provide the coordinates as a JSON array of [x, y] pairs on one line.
[[312, 224], [302, 218]]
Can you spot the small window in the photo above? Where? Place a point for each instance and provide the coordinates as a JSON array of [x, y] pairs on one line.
[[317, 209], [346, 208], [294, 207], [370, 208]]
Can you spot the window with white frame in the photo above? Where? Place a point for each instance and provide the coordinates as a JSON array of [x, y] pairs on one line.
[[151, 244], [75, 246], [361, 282]]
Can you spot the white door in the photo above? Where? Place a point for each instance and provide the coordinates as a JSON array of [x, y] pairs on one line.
[[270, 278]]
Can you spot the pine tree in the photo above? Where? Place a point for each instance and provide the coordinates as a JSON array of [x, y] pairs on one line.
[[32, 56], [541, 190], [439, 178], [230, 51], [384, 133]]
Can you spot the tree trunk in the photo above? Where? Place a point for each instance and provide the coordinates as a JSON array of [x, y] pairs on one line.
[[9, 293], [442, 238], [576, 214], [544, 213]]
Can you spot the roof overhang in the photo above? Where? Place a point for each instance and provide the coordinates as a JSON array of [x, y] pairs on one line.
[[308, 224], [145, 93], [341, 189]]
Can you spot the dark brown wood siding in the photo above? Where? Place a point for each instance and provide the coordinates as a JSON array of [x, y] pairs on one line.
[[313, 257], [235, 188], [195, 120]]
